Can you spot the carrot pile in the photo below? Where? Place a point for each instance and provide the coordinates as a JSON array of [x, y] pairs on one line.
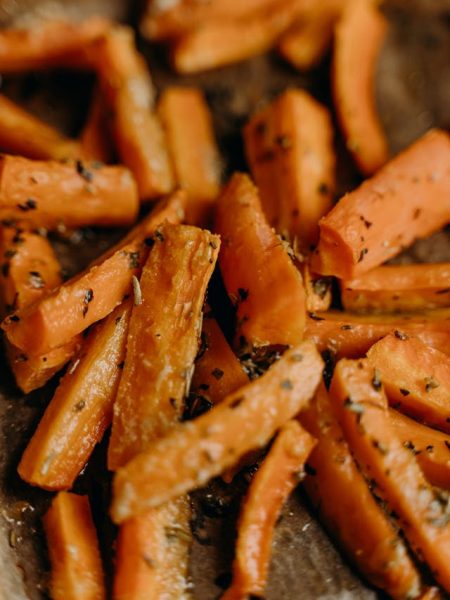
[[188, 395]]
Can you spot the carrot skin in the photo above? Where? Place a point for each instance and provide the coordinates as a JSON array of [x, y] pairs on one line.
[[95, 138]]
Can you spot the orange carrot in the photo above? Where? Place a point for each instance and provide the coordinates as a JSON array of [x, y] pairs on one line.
[[258, 273], [77, 572], [203, 448], [81, 301], [348, 509], [289, 146], [361, 406], [392, 288], [387, 212], [187, 121], [95, 138], [81, 409], [268, 491], [51, 194], [317, 288], [360, 33]]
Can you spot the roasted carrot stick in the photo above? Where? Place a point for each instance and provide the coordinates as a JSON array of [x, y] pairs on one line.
[[203, 448], [81, 409], [430, 447], [361, 407], [258, 273], [268, 491], [349, 511], [51, 194], [416, 378], [289, 146], [392, 288], [349, 335], [389, 211], [95, 138], [187, 122], [127, 88], [317, 288], [81, 301], [360, 33]]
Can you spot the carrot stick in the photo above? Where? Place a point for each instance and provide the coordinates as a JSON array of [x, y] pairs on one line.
[[203, 448], [359, 36], [187, 121], [349, 511], [392, 288], [317, 288], [51, 194], [82, 300], [77, 572], [430, 447], [289, 146], [127, 88], [274, 481], [349, 335], [81, 409], [416, 378], [387, 212], [95, 138], [258, 274], [422, 512]]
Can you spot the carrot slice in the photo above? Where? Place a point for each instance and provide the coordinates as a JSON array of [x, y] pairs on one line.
[[77, 572], [128, 92], [274, 481], [349, 335], [348, 509], [317, 288], [360, 34], [95, 138], [391, 288], [258, 273], [416, 378], [289, 146], [207, 446], [387, 212], [81, 301], [51, 194], [188, 125], [361, 406]]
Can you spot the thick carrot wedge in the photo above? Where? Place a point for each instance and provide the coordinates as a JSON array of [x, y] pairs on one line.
[[392, 288], [289, 146], [81, 409], [77, 572], [416, 378], [128, 92], [207, 446], [349, 511], [23, 133], [430, 447], [268, 491], [361, 406], [81, 301], [389, 211], [349, 335], [317, 288], [258, 273], [95, 138], [51, 194], [189, 131], [360, 34]]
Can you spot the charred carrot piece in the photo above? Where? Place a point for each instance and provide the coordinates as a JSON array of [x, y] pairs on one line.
[[258, 273], [361, 407], [416, 378], [274, 481], [348, 509], [207, 446], [359, 36], [387, 212], [289, 146], [392, 288], [77, 572], [81, 301], [187, 122], [431, 593], [52, 194], [95, 138], [127, 88], [317, 288]]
